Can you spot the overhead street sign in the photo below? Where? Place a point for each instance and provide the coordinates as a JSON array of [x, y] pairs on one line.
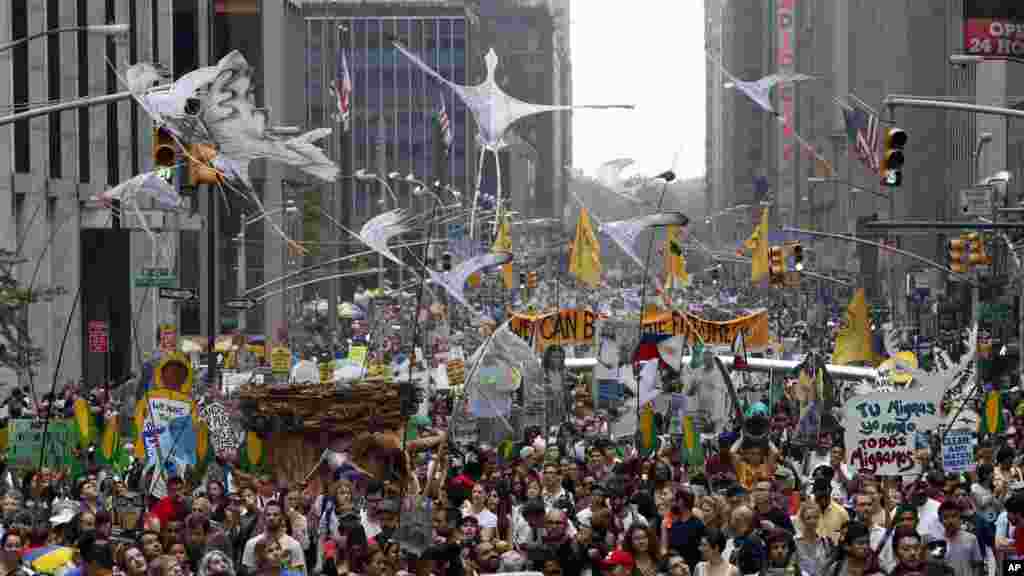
[[178, 293], [976, 201], [240, 304]]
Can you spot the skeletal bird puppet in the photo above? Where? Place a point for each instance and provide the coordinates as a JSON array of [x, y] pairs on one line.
[[152, 186], [215, 106]]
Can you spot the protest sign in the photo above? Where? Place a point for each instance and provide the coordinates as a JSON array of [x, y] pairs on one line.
[[25, 443], [880, 429], [165, 421], [958, 451]]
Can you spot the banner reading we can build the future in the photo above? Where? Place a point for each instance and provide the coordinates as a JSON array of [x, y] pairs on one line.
[[568, 326], [676, 323]]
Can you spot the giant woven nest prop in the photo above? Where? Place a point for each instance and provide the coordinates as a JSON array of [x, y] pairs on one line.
[[325, 408]]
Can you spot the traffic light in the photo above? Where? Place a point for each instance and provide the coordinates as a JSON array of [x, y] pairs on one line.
[[978, 256], [798, 257], [199, 169], [776, 265], [531, 280], [958, 255], [165, 149], [446, 262], [892, 159], [522, 279]]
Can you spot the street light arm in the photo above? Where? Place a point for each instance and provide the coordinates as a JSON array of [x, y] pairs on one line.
[[899, 251], [815, 180], [105, 29]]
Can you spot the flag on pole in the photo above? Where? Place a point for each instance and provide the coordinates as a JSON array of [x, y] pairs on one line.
[[992, 420], [503, 243], [854, 342], [758, 244], [445, 125], [675, 261], [341, 88], [585, 256], [862, 129]]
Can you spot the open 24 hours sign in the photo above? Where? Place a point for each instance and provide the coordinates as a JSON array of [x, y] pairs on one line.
[[994, 29]]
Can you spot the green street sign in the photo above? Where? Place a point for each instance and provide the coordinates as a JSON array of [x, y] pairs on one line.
[[156, 278]]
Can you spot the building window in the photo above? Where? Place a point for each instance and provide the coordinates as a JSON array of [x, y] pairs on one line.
[[19, 29]]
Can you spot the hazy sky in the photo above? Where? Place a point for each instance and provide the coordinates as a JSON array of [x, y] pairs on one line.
[[649, 53]]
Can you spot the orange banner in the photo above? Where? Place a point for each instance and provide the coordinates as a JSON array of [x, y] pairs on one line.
[[568, 326], [676, 323]]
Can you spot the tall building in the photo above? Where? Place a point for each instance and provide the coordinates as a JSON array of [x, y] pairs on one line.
[[869, 50], [50, 167]]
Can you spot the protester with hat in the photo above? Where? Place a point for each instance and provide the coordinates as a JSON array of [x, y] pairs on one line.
[[618, 563], [172, 506]]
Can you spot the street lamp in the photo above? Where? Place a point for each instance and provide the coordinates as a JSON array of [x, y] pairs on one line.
[[363, 176], [288, 208], [101, 29]]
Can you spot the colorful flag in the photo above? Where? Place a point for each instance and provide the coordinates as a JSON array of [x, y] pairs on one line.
[[446, 129], [585, 256], [854, 342], [675, 261], [862, 128], [341, 88], [647, 440], [503, 243], [992, 420], [758, 244]]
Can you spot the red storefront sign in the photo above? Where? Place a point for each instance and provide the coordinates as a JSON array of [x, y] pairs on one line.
[[994, 29], [97, 333]]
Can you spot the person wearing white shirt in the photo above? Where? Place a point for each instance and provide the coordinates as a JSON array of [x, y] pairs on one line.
[[476, 507]]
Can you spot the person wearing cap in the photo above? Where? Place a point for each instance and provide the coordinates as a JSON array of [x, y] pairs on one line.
[[832, 516]]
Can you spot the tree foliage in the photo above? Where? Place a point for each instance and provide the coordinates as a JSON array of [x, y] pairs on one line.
[[17, 351]]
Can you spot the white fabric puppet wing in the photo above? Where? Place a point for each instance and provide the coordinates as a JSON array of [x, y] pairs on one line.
[[381, 228], [454, 281]]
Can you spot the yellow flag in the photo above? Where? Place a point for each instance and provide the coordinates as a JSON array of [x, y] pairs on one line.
[[585, 256], [854, 343], [758, 244], [503, 243], [675, 261]]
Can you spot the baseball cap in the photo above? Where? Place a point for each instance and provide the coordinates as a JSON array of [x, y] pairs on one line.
[[618, 558]]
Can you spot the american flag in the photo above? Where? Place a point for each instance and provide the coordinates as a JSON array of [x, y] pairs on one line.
[[862, 128], [341, 87], [446, 129]]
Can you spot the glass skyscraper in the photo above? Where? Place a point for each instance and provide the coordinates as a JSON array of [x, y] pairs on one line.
[[393, 104]]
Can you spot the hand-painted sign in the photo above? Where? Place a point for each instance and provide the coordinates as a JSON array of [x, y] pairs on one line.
[[280, 360], [958, 450], [568, 326], [678, 323], [165, 420], [880, 429], [25, 443]]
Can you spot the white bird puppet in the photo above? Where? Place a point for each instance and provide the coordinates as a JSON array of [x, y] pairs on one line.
[[215, 106], [760, 90], [381, 228], [153, 186], [454, 281], [495, 112], [625, 232]]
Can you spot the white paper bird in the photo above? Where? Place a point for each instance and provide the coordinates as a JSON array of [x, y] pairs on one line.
[[381, 228], [760, 90], [625, 232], [495, 112], [239, 128], [149, 186], [454, 281], [168, 107]]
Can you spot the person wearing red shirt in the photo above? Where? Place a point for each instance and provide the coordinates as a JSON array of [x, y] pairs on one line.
[[172, 506]]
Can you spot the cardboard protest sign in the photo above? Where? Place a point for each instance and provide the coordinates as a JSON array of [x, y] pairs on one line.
[[880, 429]]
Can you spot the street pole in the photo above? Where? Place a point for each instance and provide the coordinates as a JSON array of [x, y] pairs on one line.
[[242, 271]]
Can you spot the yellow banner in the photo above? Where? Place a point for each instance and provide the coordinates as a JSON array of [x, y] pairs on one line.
[[676, 323], [568, 326]]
